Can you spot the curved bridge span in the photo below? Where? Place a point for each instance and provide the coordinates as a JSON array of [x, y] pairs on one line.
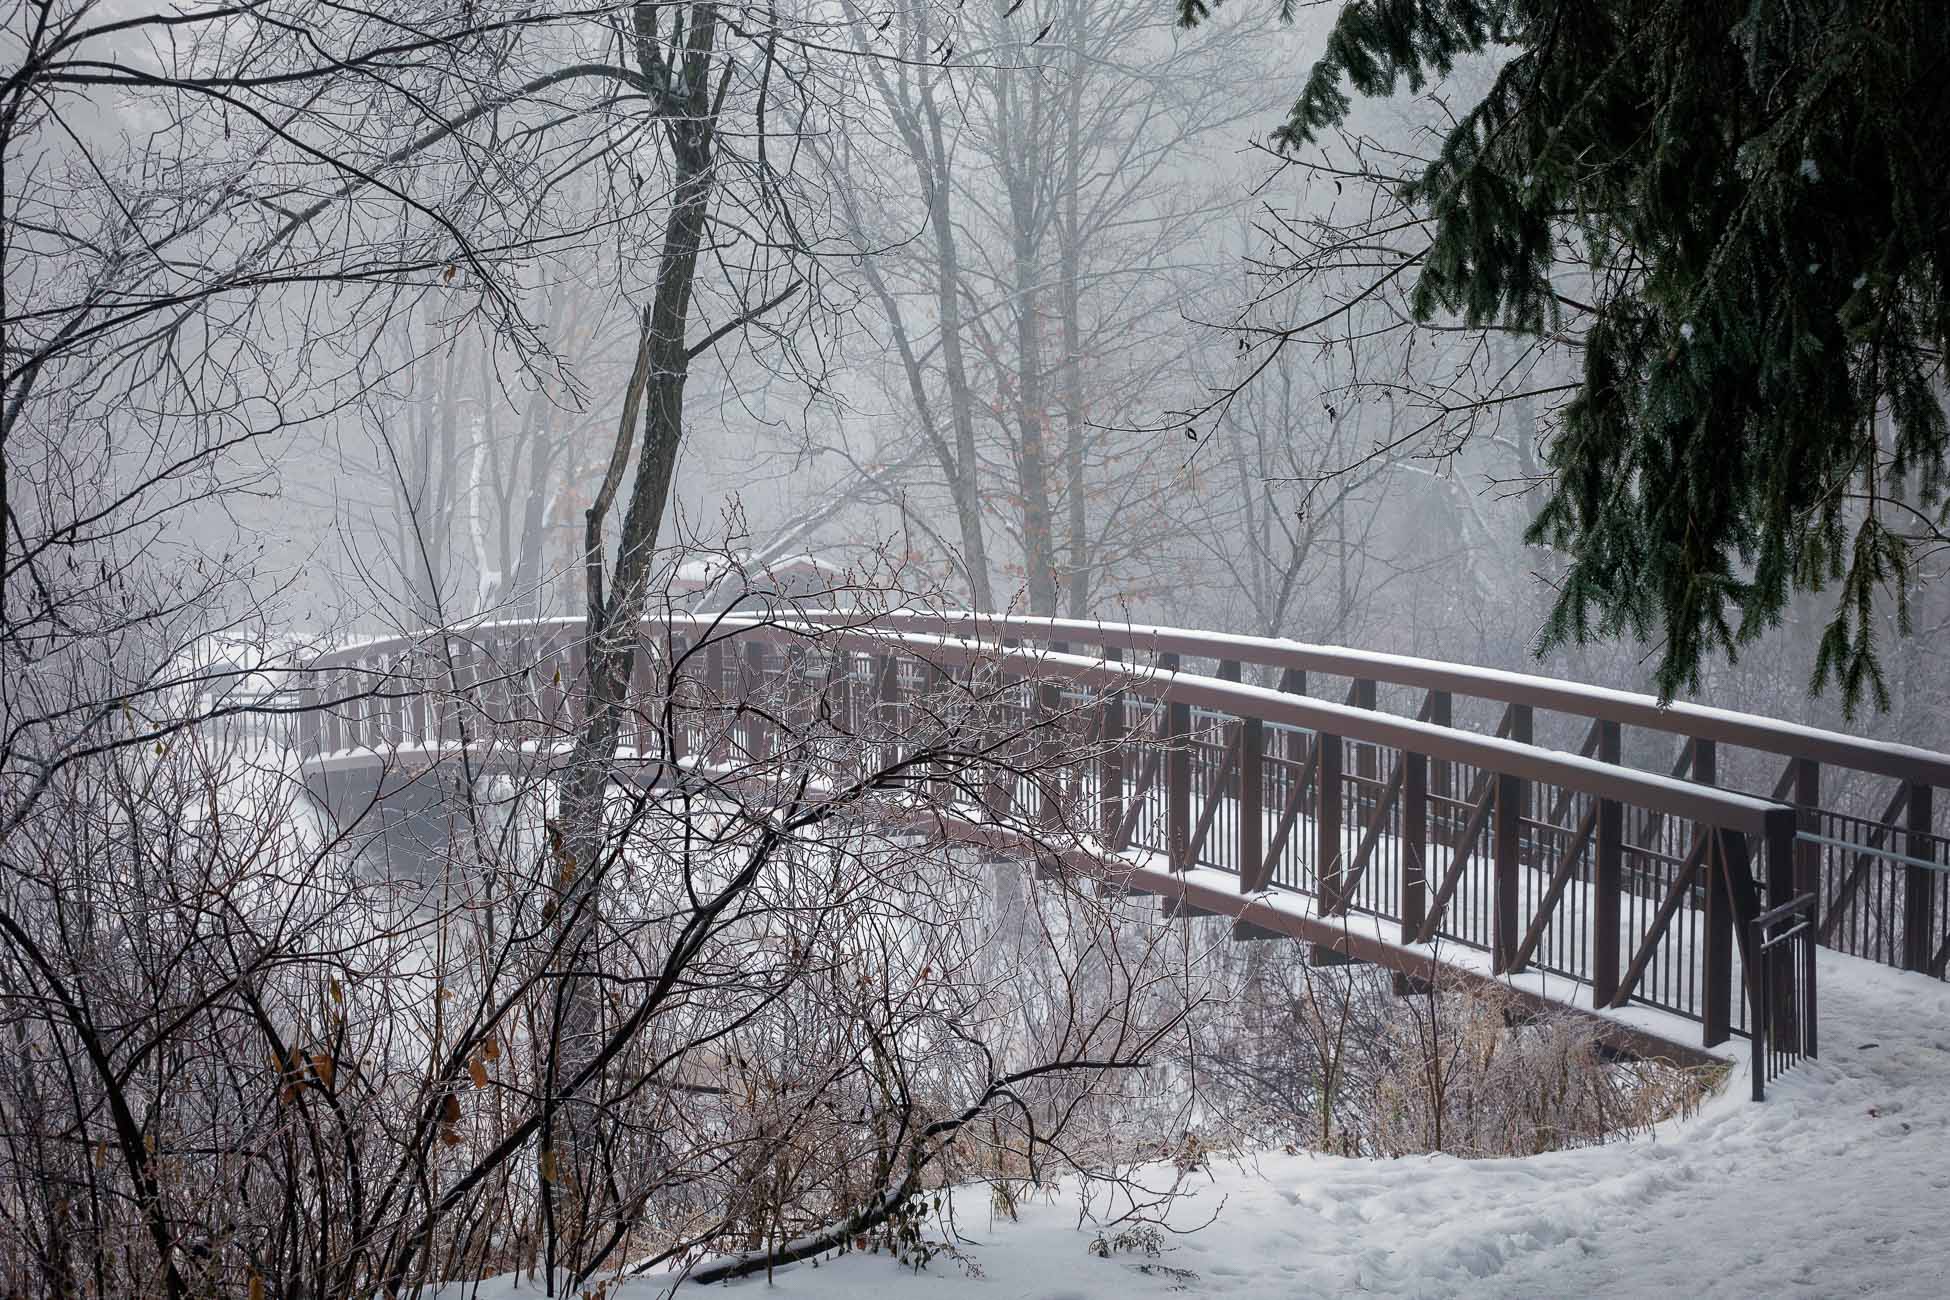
[[1582, 846]]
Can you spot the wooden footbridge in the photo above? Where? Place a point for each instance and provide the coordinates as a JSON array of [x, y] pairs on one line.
[[1582, 846]]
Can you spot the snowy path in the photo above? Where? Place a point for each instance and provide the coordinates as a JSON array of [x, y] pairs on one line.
[[1839, 1184]]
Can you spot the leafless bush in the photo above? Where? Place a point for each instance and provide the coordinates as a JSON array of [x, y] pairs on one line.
[[1335, 1059], [777, 1006]]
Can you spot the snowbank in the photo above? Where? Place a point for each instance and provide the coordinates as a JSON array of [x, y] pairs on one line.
[[1838, 1184]]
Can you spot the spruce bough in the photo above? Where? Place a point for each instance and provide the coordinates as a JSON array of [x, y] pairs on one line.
[[1761, 191]]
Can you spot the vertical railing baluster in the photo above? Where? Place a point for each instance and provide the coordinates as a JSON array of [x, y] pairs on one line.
[[1293, 681], [1782, 829], [1607, 876], [1760, 1030]]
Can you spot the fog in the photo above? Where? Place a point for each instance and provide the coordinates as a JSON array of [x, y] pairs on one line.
[[1017, 305], [382, 905]]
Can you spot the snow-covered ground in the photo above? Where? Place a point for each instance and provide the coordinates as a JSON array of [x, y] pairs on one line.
[[1838, 1184]]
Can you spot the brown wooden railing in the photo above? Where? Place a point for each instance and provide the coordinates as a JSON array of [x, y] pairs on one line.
[[1874, 832], [1385, 831]]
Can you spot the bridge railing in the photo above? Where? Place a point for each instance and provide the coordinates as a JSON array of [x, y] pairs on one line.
[[1638, 885], [1874, 842]]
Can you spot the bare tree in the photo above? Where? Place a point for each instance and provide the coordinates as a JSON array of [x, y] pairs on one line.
[[1031, 295]]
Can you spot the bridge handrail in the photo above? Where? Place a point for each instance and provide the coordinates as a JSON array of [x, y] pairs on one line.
[[1907, 763], [1431, 859], [1750, 731], [1709, 805]]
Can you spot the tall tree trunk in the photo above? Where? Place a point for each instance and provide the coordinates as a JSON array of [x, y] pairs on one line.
[[614, 608], [1032, 417], [916, 116], [964, 476], [1069, 286]]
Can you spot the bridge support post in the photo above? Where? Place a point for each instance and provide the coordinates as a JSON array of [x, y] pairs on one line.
[[1607, 894], [1442, 777], [644, 661], [676, 738], [1506, 845], [311, 723], [1732, 902], [1726, 855], [1716, 956], [837, 691], [1367, 765], [1918, 887], [1607, 876], [714, 700], [547, 690], [1415, 844], [1110, 763], [1252, 819], [1178, 774], [458, 716], [1807, 857], [1252, 805], [1248, 739], [753, 672], [1049, 779], [1780, 852], [939, 683], [1506, 929], [1329, 857], [887, 716]]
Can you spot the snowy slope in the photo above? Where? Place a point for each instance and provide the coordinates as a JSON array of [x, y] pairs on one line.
[[1838, 1184]]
